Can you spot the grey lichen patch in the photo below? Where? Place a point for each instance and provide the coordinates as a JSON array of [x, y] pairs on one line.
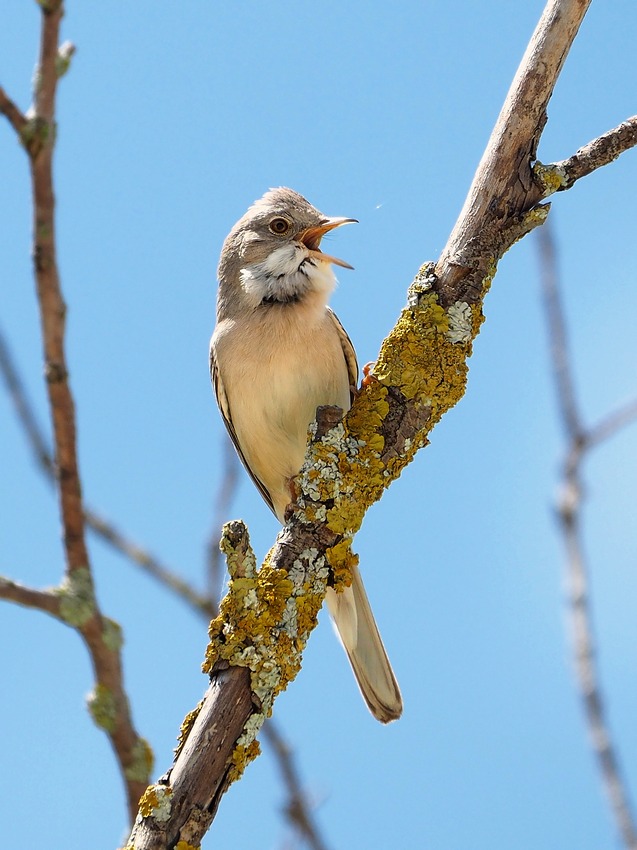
[[156, 802], [460, 322], [422, 283], [103, 707], [112, 634], [77, 599], [142, 764]]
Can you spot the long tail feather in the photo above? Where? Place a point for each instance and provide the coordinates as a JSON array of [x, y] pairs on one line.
[[357, 629]]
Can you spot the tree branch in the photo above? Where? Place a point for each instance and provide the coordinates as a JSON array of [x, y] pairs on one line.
[[77, 604], [297, 808], [579, 441], [267, 617], [30, 597], [12, 112], [601, 151]]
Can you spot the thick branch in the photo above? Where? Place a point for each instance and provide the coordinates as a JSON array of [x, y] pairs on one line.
[[503, 186], [419, 375]]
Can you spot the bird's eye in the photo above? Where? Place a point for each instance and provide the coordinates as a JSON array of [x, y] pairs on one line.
[[279, 226]]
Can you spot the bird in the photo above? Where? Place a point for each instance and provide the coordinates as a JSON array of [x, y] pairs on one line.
[[277, 353]]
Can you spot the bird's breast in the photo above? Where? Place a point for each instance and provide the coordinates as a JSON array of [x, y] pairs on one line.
[[285, 361]]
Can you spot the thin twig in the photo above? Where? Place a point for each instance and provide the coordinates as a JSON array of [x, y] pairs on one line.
[[601, 151], [558, 337], [12, 112], [611, 424], [24, 410], [579, 441], [102, 527], [297, 809], [42, 600]]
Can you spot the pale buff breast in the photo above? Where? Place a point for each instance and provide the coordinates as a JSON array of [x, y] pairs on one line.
[[274, 387]]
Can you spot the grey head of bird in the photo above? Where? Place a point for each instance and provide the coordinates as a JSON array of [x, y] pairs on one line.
[[272, 255]]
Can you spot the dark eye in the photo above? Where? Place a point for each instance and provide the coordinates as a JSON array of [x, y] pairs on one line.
[[279, 226]]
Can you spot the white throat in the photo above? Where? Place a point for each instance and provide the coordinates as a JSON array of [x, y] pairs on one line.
[[288, 274]]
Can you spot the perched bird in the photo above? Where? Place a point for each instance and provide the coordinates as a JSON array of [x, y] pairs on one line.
[[277, 353]]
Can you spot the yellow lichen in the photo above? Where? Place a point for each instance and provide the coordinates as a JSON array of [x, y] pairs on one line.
[[241, 758], [183, 845], [186, 726], [342, 560], [551, 178]]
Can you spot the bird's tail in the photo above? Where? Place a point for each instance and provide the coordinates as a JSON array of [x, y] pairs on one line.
[[357, 629]]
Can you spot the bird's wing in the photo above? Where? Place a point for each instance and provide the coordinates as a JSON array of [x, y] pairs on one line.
[[348, 352], [226, 415]]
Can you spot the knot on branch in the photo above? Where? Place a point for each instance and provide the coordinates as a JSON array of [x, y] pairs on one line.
[[36, 134], [77, 597], [55, 373], [235, 545]]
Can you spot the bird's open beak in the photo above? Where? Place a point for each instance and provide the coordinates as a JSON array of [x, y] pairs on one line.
[[311, 238]]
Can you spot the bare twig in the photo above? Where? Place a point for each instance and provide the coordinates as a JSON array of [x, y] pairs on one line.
[[12, 112], [579, 441], [297, 809], [105, 529], [42, 600], [78, 607], [24, 410], [611, 424], [558, 341], [599, 152]]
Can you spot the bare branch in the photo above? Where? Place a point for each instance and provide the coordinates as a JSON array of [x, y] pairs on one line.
[[30, 597], [579, 441], [611, 424], [297, 809], [24, 410], [12, 112], [595, 154], [105, 529], [150, 564], [78, 606], [558, 341], [504, 185]]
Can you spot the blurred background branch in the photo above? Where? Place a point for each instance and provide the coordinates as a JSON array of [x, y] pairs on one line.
[[580, 439]]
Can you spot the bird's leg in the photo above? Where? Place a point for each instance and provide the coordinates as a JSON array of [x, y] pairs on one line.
[[368, 374]]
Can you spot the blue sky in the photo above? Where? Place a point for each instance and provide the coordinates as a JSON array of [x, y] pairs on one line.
[[171, 122]]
